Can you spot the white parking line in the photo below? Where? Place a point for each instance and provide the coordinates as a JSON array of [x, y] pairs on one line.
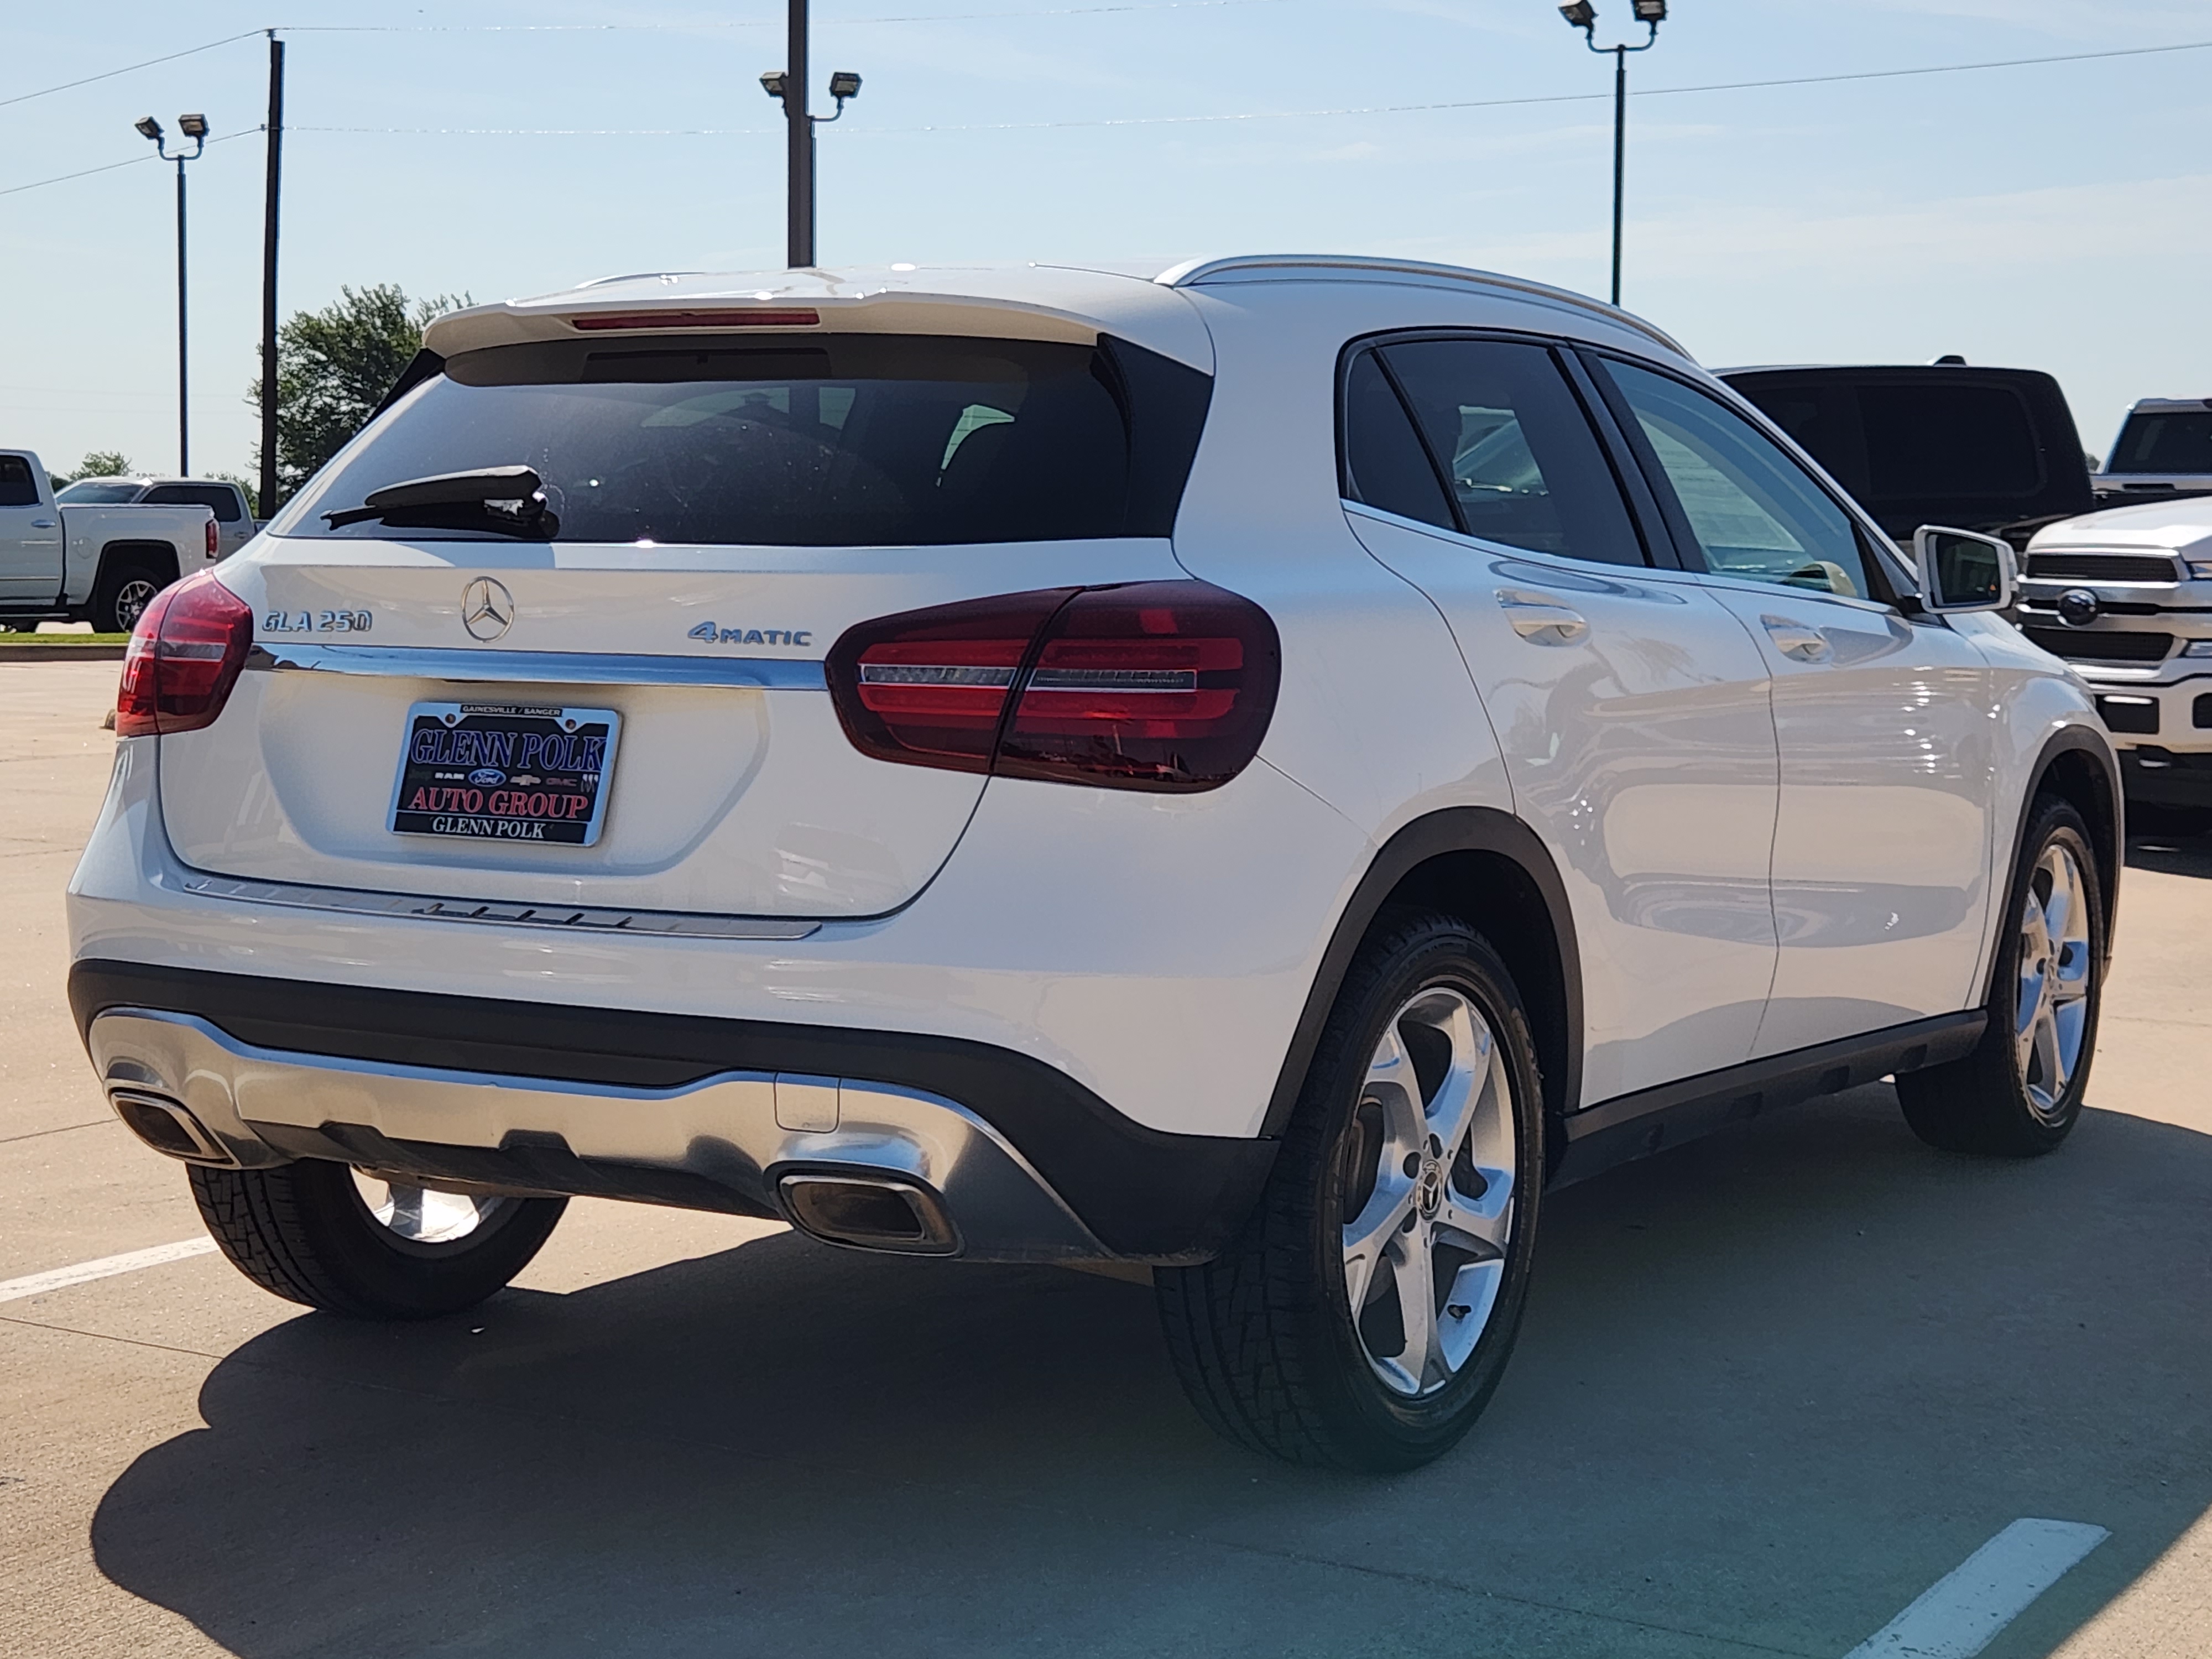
[[1963, 1611], [107, 1266]]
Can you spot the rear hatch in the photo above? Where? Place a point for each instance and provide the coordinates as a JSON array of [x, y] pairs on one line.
[[702, 518]]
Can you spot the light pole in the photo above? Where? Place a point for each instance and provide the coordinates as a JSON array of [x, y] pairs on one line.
[[195, 127], [788, 87], [1583, 16]]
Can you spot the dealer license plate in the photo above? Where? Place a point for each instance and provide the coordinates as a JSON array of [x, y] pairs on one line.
[[508, 772]]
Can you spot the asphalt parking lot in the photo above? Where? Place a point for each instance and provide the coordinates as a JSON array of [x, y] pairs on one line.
[[1773, 1386]]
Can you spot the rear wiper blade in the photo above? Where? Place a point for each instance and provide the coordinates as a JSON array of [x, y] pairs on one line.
[[510, 500]]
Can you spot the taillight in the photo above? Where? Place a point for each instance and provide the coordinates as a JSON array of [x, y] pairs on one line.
[[212, 543], [1151, 685], [184, 656]]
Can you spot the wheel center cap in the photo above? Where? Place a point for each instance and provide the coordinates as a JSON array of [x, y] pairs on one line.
[[1431, 1187]]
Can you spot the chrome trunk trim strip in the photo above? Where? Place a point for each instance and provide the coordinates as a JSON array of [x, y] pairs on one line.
[[536, 667], [659, 924]]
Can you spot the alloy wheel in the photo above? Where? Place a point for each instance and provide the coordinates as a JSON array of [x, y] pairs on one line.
[[1428, 1173], [132, 600], [2052, 1010], [420, 1216]]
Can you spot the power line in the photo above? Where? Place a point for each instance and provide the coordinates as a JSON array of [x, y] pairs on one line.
[[109, 75], [135, 160]]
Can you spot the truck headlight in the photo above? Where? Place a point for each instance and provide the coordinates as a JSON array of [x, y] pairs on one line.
[[2200, 568], [2198, 648]]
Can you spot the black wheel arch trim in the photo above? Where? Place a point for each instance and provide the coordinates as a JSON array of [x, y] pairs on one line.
[[1142, 1192], [2112, 857], [1478, 830]]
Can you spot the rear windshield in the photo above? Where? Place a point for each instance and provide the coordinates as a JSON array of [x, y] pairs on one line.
[[220, 499], [2165, 440], [1960, 442], [810, 441], [89, 494]]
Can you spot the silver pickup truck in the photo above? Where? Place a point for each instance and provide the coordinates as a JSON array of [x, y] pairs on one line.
[[89, 563]]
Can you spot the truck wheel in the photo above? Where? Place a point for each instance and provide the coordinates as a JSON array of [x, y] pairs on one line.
[[1364, 1314], [2018, 1094], [124, 592], [328, 1236]]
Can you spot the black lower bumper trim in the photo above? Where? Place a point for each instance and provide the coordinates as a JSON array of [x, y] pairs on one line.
[[1141, 1192]]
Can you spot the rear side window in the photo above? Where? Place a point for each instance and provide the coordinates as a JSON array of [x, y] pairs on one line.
[[1503, 430], [2165, 440], [19, 486], [222, 500], [808, 442]]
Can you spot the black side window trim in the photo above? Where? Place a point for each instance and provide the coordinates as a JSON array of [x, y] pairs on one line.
[[1635, 502], [1688, 551]]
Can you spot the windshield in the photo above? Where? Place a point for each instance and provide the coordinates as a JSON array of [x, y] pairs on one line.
[[101, 492], [810, 441], [2165, 440]]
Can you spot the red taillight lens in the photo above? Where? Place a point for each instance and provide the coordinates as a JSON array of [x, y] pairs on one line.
[[212, 543], [930, 687], [184, 656], [1153, 685]]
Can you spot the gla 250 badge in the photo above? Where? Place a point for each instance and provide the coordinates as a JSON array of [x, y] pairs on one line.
[[714, 636], [318, 621]]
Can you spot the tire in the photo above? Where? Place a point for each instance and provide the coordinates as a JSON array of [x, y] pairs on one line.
[[1264, 1337], [2019, 1092], [306, 1232], [126, 589]]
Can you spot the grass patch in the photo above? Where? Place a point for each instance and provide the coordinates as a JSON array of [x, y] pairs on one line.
[[7, 640]]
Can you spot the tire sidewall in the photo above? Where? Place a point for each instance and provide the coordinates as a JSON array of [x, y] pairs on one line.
[[1392, 1431], [400, 1278]]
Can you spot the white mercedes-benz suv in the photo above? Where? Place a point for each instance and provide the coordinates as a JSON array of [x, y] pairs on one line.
[[1257, 770]]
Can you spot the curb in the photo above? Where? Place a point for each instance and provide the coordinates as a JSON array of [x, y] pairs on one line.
[[62, 653]]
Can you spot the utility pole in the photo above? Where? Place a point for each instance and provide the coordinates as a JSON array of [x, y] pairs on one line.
[[267, 497], [1582, 14], [788, 87], [195, 127], [798, 179]]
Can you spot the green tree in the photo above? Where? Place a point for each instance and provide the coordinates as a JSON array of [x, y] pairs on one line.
[[97, 464], [333, 367]]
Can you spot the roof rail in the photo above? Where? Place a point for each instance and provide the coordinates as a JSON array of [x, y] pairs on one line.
[[1192, 272]]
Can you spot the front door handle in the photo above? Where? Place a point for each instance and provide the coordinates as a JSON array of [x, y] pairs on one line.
[[1542, 621], [42, 524], [1795, 640]]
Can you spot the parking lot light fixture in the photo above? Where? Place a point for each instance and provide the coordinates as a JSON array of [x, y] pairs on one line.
[[772, 84], [194, 127], [1581, 15]]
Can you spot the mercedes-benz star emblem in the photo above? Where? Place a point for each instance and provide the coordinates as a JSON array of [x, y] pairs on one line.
[[487, 608], [2077, 607]]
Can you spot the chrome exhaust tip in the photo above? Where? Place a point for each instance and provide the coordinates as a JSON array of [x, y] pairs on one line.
[[869, 1212], [169, 1126]]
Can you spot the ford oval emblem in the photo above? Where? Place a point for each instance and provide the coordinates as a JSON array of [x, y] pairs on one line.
[[2078, 607], [487, 777]]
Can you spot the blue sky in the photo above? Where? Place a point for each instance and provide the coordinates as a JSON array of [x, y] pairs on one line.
[[2055, 216]]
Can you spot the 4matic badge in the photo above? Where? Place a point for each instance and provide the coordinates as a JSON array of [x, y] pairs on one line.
[[716, 635]]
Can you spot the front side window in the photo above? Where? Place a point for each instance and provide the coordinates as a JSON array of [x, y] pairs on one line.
[[803, 442], [1503, 430], [19, 485], [1753, 511]]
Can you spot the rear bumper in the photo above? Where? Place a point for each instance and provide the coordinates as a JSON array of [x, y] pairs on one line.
[[1025, 1162]]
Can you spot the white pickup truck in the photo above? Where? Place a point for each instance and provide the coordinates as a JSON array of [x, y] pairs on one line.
[[96, 564]]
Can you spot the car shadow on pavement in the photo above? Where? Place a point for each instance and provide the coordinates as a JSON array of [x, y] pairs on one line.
[[2170, 840], [1772, 1385]]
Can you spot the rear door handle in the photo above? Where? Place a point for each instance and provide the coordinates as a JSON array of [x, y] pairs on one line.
[[42, 524], [1795, 640], [1542, 621]]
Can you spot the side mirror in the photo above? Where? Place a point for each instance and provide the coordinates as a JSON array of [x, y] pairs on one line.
[[1962, 571]]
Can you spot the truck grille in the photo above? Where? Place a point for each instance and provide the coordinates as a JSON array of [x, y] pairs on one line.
[[2103, 567], [2101, 648]]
